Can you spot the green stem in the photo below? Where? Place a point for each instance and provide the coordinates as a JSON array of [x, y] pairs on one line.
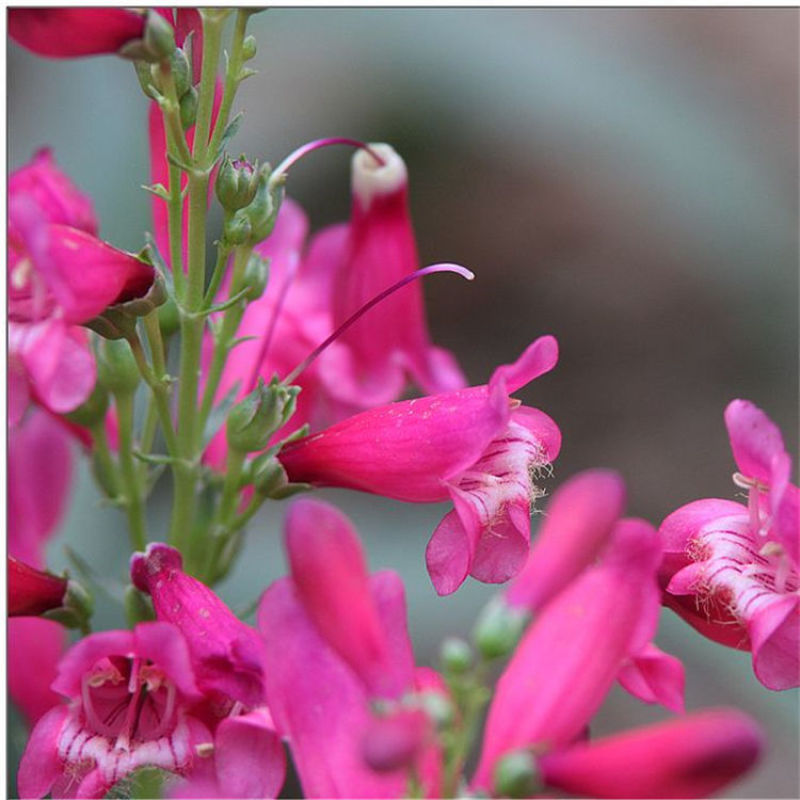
[[223, 252], [105, 461], [230, 324], [232, 79], [128, 472], [213, 22]]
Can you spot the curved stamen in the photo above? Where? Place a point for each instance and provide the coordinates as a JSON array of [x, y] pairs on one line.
[[167, 714], [305, 149], [291, 272], [420, 273]]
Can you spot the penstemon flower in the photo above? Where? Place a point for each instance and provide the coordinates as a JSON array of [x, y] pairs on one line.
[[731, 570]]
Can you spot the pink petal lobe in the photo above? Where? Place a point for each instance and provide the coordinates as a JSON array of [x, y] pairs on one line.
[[655, 677], [538, 358], [449, 554], [577, 524], [775, 638], [693, 756], [755, 439], [41, 765]]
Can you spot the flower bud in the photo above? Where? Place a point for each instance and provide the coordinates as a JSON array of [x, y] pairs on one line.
[[517, 775], [237, 230], [181, 72], [168, 317], [31, 591], [256, 275], [116, 367], [159, 38], [236, 184], [267, 475], [93, 409], [456, 656], [144, 73], [249, 47], [263, 210], [499, 628], [254, 419], [438, 707], [188, 108]]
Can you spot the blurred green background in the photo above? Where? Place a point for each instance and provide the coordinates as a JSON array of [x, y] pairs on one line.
[[624, 179]]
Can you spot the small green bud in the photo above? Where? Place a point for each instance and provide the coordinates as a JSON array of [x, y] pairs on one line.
[[237, 230], [138, 607], [256, 275], [456, 656], [93, 410], [253, 420], [268, 475], [168, 318], [181, 72], [116, 367], [438, 707], [236, 183], [517, 775], [249, 47], [188, 108], [144, 73], [159, 38], [263, 211], [499, 628]]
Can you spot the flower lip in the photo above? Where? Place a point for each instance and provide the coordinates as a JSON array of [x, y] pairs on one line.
[[371, 180]]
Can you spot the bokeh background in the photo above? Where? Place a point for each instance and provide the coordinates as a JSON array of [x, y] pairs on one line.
[[625, 179]]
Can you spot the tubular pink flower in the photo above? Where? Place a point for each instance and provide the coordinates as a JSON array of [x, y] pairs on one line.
[[475, 446], [32, 591], [694, 756], [368, 365], [330, 577], [74, 32], [730, 570], [577, 523], [587, 631], [227, 655], [130, 696]]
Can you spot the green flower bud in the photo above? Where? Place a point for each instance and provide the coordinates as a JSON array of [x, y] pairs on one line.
[[188, 108], [159, 38], [181, 72], [116, 367], [249, 47], [516, 775], [237, 230], [263, 211], [93, 410], [168, 318], [268, 475], [256, 275], [236, 183], [253, 420], [438, 707], [144, 73], [456, 656], [499, 628]]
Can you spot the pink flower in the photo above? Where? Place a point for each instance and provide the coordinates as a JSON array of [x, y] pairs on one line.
[[570, 656], [52, 228], [31, 591], [70, 32], [476, 446], [227, 655], [731, 570], [130, 695], [323, 671], [694, 756], [368, 365]]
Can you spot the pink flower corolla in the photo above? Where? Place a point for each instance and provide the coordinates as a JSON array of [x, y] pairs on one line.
[[350, 729], [570, 656], [38, 456], [72, 32], [368, 364], [731, 570], [693, 756], [476, 446], [130, 696], [60, 275], [32, 591], [227, 654]]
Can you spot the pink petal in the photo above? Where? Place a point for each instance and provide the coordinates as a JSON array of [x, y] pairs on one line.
[[538, 358], [41, 765], [318, 703], [577, 524], [71, 32], [542, 427], [655, 677], [31, 591], [449, 552], [694, 756], [40, 642], [330, 575], [775, 637], [396, 740], [755, 439], [785, 507], [587, 631], [249, 756]]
